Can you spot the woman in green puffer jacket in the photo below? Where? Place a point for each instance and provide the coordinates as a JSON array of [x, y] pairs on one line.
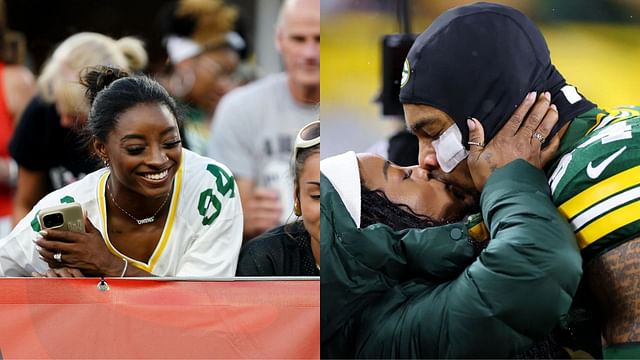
[[427, 293]]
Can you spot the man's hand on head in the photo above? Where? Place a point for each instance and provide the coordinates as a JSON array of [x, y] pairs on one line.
[[521, 137]]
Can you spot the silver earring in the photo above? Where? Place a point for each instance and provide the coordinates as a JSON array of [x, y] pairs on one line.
[[106, 162]]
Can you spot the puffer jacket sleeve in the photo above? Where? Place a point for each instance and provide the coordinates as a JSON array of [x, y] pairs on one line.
[[513, 294], [360, 264]]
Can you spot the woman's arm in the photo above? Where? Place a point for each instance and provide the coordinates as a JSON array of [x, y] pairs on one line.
[[30, 188], [513, 294]]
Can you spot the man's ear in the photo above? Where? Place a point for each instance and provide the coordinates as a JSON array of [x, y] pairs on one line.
[[279, 39]]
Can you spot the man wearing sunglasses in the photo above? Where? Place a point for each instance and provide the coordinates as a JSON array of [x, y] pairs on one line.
[[254, 127]]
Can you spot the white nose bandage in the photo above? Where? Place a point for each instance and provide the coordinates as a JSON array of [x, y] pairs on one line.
[[449, 149]]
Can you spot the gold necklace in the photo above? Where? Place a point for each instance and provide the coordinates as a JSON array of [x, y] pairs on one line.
[[143, 221]]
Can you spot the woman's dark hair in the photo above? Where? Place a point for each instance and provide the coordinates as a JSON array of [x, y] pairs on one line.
[[298, 166], [112, 91], [298, 163], [378, 209]]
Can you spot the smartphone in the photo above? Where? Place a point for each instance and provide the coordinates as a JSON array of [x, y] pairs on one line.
[[67, 217]]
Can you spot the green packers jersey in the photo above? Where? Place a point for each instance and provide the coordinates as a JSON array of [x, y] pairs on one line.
[[596, 183]]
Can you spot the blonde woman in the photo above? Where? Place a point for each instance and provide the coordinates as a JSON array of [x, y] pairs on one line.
[[45, 144]]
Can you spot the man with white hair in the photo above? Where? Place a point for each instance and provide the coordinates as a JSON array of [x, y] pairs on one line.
[[254, 126]]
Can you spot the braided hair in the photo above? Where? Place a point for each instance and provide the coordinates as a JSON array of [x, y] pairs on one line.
[[377, 208]]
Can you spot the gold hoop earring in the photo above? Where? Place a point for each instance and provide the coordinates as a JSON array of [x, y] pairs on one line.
[[296, 208]]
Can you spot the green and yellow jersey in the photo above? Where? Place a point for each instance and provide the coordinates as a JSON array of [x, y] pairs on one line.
[[596, 181]]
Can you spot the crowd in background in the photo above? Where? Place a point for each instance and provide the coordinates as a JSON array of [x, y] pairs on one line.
[[232, 107], [585, 38]]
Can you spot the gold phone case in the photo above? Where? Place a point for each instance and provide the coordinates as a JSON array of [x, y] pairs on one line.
[[67, 217]]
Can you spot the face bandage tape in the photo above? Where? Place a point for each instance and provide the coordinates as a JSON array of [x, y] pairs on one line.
[[449, 149]]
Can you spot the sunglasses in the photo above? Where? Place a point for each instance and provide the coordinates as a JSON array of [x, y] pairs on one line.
[[307, 137]]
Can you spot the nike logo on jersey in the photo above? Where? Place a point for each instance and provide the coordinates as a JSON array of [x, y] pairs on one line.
[[595, 172]]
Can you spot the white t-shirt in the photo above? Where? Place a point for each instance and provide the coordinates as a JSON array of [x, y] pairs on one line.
[[201, 237], [254, 130]]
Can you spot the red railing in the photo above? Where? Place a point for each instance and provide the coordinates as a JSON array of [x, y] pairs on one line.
[[149, 318]]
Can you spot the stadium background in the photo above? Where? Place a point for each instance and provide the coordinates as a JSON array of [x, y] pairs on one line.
[[42, 25], [594, 43]]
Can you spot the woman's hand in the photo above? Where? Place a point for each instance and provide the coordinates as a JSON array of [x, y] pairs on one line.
[[520, 138], [85, 252], [59, 272]]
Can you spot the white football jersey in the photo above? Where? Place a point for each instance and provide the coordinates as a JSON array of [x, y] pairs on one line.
[[201, 237]]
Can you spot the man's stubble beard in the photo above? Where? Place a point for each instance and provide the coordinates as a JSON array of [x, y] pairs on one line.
[[469, 196]]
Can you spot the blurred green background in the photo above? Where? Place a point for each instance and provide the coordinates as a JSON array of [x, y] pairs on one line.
[[594, 43]]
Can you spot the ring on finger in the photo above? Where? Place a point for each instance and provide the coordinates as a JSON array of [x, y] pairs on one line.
[[475, 143], [58, 257], [539, 137]]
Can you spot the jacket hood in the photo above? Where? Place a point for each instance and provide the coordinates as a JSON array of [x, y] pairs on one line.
[[344, 174]]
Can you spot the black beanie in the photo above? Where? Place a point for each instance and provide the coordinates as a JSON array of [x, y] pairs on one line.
[[480, 61]]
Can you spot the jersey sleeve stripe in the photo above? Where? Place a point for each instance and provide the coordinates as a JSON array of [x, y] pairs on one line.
[[608, 223], [603, 189], [605, 206]]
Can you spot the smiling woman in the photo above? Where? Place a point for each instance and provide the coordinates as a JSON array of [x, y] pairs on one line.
[[155, 209]]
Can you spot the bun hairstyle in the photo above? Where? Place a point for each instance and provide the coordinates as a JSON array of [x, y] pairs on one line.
[[97, 78], [134, 52], [111, 91], [378, 209]]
